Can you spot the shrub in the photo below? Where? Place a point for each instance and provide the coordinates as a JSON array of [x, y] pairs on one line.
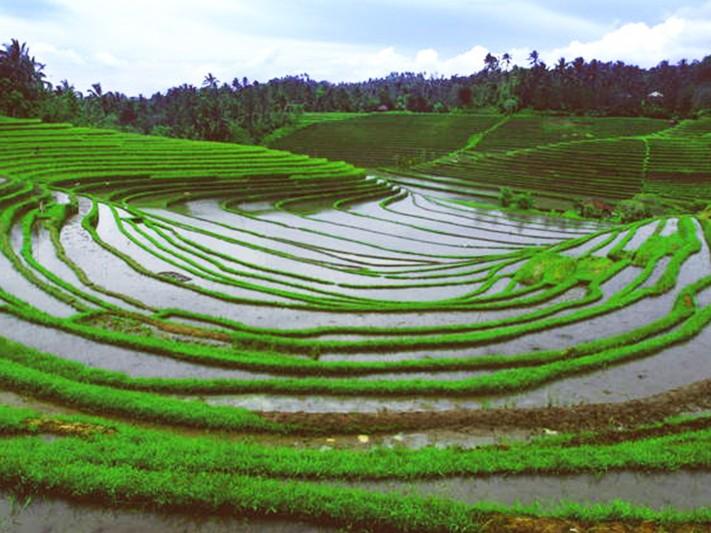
[[506, 196], [632, 210], [523, 200]]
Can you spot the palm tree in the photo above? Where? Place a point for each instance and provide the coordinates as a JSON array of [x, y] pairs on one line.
[[64, 87], [22, 83], [210, 81], [96, 92], [491, 62], [533, 58], [562, 64], [15, 60], [506, 59]]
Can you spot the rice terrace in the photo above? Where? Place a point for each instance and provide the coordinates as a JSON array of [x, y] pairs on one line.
[[469, 303]]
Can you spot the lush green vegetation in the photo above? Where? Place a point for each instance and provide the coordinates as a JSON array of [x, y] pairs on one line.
[[388, 139], [115, 463], [245, 111], [190, 296]]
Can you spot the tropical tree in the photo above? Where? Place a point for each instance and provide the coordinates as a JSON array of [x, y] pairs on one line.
[[491, 63], [506, 60], [534, 58], [22, 80], [210, 81], [63, 105]]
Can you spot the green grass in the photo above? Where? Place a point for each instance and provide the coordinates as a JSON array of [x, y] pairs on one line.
[[351, 267], [390, 139]]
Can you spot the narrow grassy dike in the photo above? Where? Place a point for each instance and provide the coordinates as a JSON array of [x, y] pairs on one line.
[[247, 332]]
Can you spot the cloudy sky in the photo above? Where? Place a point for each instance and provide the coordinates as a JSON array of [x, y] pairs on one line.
[[142, 46]]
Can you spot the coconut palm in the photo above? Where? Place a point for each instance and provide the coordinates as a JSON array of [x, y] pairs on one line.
[[491, 62], [210, 81], [506, 60], [22, 82], [16, 62], [533, 58]]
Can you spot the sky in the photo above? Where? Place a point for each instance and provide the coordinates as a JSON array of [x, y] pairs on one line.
[[145, 46]]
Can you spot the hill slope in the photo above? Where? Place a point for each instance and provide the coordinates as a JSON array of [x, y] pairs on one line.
[[387, 139]]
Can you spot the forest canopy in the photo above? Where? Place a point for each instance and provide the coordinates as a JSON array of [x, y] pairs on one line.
[[246, 111]]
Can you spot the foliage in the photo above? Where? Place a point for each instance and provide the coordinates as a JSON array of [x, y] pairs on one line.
[[22, 82], [531, 281], [244, 111], [506, 196], [520, 200]]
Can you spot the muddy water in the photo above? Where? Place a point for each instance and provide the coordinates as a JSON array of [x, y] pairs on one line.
[[111, 272], [659, 269], [535, 220], [586, 247], [274, 317], [14, 283], [677, 366], [53, 515], [425, 207], [438, 438], [404, 212], [109, 357], [574, 294], [671, 227], [704, 297], [531, 342], [564, 228], [440, 243], [299, 230], [682, 490], [328, 267], [307, 254], [245, 313], [44, 252], [642, 235], [139, 364], [13, 399], [206, 272], [156, 261], [334, 404], [610, 324], [602, 252]]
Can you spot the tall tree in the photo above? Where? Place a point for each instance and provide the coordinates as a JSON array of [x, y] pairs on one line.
[[22, 80]]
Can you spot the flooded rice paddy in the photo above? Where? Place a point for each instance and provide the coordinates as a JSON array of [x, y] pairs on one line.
[[408, 304]]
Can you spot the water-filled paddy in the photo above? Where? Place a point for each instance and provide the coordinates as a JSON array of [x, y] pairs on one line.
[[281, 301]]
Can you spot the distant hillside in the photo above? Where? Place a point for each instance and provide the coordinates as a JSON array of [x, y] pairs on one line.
[[387, 139], [611, 158]]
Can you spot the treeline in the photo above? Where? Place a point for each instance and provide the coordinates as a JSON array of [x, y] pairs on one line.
[[245, 111]]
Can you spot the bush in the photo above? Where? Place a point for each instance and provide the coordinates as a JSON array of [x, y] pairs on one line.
[[632, 210], [506, 196], [594, 208], [523, 200], [161, 131], [511, 198]]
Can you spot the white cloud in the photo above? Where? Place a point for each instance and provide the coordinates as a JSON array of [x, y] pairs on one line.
[[53, 53], [109, 60], [673, 39], [135, 46]]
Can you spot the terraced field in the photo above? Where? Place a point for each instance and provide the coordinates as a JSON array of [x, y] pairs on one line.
[[387, 139], [559, 158], [679, 163], [241, 332]]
